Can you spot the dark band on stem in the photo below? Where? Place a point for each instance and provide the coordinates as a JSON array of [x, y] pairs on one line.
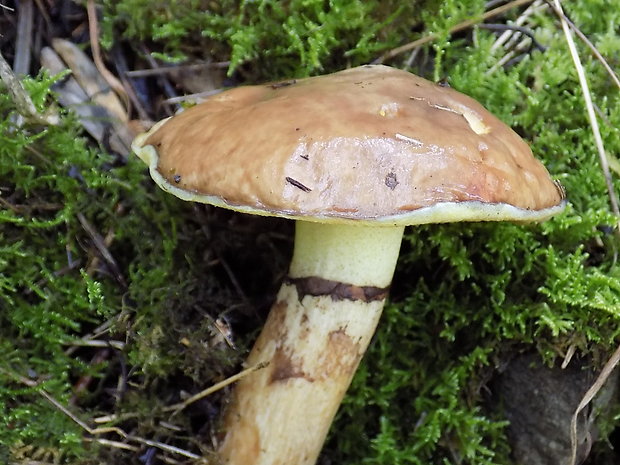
[[316, 286]]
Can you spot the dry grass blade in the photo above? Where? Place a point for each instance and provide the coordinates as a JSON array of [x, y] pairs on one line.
[[104, 430], [513, 42], [147, 442], [507, 38], [587, 398], [583, 81], [101, 246], [118, 345], [216, 387], [459, 27], [591, 113], [31, 462], [117, 444], [23, 44], [594, 50], [615, 358], [129, 447]]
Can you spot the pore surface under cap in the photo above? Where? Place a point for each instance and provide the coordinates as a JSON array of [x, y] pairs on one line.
[[367, 143]]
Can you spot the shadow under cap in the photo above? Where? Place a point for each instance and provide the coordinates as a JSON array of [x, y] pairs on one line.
[[367, 144]]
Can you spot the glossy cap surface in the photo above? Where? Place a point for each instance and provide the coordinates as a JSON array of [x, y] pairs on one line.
[[367, 144]]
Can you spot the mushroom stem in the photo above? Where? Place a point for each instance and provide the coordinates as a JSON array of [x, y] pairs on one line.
[[318, 330]]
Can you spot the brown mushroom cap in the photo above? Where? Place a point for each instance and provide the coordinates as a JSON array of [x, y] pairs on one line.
[[367, 144]]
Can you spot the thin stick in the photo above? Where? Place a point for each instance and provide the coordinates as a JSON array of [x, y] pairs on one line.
[[216, 387], [93, 30], [459, 27], [583, 81]]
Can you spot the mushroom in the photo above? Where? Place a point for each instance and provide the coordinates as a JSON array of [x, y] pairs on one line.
[[353, 157]]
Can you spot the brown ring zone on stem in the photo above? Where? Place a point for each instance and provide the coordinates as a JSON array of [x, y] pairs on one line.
[[316, 286]]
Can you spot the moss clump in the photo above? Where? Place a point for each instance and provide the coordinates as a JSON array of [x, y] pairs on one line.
[[463, 296], [42, 295], [291, 38], [467, 294], [63, 301]]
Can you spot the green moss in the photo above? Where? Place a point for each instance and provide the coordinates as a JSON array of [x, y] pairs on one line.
[[463, 295], [41, 304], [292, 38], [467, 292], [55, 288]]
